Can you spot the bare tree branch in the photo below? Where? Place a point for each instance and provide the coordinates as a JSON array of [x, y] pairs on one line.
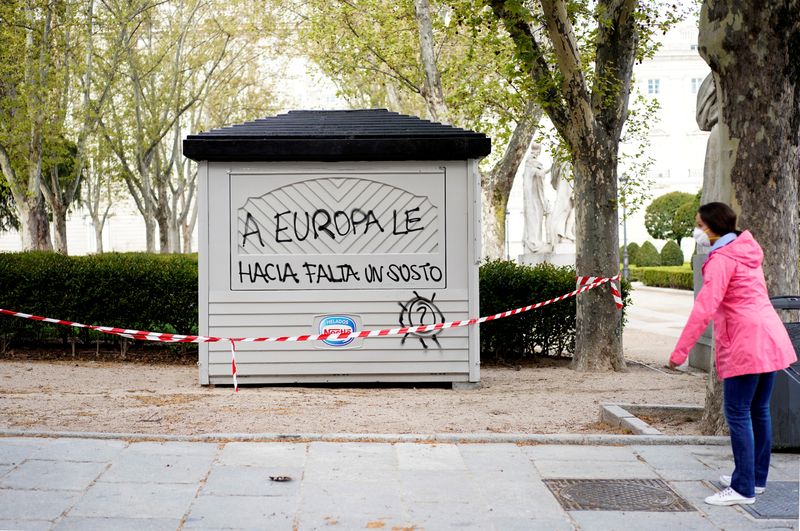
[[617, 39], [532, 54]]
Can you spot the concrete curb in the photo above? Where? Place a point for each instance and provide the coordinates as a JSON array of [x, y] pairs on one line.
[[624, 416], [452, 438]]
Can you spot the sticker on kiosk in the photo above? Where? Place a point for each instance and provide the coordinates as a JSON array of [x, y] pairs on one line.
[[337, 324]]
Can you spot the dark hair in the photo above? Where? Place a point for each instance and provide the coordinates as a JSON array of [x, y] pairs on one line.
[[719, 217]]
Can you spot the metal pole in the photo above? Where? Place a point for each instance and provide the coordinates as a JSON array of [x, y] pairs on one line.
[[625, 273], [507, 241]]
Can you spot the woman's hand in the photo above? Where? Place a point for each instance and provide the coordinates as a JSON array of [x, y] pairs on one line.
[[672, 366]]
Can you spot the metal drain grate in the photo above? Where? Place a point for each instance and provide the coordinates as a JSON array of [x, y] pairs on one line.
[[780, 501], [652, 495]]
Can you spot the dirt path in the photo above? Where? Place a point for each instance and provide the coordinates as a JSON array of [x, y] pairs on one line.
[[547, 397]]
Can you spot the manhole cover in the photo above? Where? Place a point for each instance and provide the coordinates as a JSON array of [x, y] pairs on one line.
[[780, 501], [617, 495]]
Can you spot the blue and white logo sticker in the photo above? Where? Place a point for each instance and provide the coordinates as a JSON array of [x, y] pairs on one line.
[[336, 324]]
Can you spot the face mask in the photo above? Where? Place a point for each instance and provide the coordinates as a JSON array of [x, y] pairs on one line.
[[701, 237]]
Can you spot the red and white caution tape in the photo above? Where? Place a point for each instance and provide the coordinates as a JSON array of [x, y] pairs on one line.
[[584, 284], [233, 366], [584, 281]]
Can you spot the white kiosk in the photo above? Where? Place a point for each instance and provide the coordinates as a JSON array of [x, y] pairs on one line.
[[317, 221]]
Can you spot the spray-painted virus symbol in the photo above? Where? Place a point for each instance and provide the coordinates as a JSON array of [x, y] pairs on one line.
[[420, 311]]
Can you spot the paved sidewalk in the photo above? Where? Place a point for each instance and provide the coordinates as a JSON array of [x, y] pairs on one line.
[[654, 322], [73, 483]]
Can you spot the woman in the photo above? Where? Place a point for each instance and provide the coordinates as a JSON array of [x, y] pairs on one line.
[[751, 344]]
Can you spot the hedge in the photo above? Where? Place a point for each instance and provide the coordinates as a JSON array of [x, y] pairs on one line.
[[131, 290], [159, 293], [678, 277], [647, 256], [633, 252], [549, 330], [671, 254]]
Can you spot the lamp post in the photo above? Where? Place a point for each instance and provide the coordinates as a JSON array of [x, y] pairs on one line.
[[623, 180], [507, 241]]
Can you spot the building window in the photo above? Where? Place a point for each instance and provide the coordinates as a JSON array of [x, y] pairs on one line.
[[696, 81], [693, 47], [653, 85]]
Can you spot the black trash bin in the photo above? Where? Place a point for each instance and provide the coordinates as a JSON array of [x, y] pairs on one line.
[[785, 404]]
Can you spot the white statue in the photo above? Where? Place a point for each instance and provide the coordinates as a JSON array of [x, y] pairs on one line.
[[707, 116], [561, 222], [534, 203]]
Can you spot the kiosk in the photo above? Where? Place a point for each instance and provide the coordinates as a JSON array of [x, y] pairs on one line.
[[327, 221]]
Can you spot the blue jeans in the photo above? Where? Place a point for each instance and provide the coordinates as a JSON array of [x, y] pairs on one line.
[[747, 412]]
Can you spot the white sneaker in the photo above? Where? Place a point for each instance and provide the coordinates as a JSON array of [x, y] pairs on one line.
[[726, 482], [729, 497]]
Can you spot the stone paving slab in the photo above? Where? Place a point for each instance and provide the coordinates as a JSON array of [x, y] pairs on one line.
[[151, 448], [625, 521], [352, 521], [132, 500], [38, 505], [264, 454], [728, 518], [80, 483], [83, 450], [448, 516], [346, 497], [132, 467], [441, 486], [78, 523], [531, 524], [26, 525], [53, 475], [567, 452], [15, 450], [590, 469], [676, 463], [429, 457], [5, 469], [252, 481], [248, 512]]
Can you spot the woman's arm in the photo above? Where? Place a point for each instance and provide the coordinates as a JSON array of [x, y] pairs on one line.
[[716, 276]]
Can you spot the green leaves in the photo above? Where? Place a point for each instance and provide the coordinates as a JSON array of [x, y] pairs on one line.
[[671, 216], [131, 290], [371, 49], [549, 330]]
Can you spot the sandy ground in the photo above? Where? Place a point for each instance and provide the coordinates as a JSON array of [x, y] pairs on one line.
[[546, 397]]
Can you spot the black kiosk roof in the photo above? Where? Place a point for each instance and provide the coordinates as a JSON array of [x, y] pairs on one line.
[[371, 134]]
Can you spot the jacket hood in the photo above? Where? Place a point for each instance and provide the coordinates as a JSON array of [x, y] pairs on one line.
[[744, 249]]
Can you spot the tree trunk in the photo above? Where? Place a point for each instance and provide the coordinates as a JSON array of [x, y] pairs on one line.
[[493, 220], [432, 88], [98, 235], [186, 233], [163, 234], [496, 184], [149, 233], [188, 229], [757, 75], [59, 226], [597, 254], [35, 227], [713, 421]]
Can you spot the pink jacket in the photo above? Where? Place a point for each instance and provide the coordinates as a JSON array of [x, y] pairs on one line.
[[749, 337]]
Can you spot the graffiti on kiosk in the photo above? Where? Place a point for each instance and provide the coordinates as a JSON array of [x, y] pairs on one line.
[[419, 311], [332, 233], [316, 273], [340, 216], [322, 223]]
